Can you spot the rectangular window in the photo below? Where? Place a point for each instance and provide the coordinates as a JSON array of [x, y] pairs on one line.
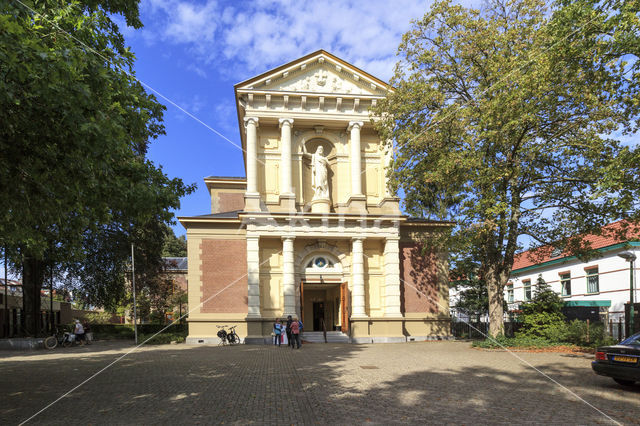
[[510, 297], [527, 290], [593, 284], [565, 283]]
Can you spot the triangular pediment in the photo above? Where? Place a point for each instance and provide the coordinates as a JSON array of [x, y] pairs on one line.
[[318, 73]]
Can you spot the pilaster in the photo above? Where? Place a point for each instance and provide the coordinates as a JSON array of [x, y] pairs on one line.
[[392, 277], [287, 197], [357, 273], [289, 276], [253, 276], [356, 158], [252, 197]]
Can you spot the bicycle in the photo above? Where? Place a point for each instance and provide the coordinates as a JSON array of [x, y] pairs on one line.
[[64, 339], [230, 337]]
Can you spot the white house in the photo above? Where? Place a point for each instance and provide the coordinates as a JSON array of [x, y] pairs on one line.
[[603, 281]]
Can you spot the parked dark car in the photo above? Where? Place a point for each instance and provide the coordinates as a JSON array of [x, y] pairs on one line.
[[620, 362]]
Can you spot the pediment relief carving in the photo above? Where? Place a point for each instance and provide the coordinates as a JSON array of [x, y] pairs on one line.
[[322, 78]]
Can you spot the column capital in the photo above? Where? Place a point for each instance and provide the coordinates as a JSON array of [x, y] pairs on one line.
[[288, 237], [285, 121], [358, 238], [251, 120], [393, 238], [355, 125]]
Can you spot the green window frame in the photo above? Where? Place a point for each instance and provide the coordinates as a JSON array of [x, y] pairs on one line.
[[510, 297], [527, 290], [593, 280], [565, 283]]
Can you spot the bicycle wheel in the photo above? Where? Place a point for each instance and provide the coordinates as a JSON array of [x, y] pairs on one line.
[[50, 342], [236, 338], [66, 343]]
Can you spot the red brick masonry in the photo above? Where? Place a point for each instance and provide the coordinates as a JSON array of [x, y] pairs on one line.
[[224, 263], [418, 271], [230, 201]]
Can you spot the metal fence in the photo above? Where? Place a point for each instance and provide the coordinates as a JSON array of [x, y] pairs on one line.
[[463, 329], [617, 329]]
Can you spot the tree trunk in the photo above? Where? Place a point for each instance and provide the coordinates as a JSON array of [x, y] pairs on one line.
[[32, 279], [496, 299]]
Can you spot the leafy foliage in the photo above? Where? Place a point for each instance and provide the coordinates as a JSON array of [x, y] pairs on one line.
[[506, 121], [513, 342], [545, 300], [174, 246], [542, 317], [77, 188]]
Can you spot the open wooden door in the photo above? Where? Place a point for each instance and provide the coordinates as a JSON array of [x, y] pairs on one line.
[[344, 303], [302, 301]]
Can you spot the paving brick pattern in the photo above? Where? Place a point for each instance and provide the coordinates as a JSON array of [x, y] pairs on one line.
[[426, 382]]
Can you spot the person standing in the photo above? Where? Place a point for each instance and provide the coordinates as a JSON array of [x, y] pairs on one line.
[[288, 331], [295, 333], [277, 331], [284, 334], [79, 332]]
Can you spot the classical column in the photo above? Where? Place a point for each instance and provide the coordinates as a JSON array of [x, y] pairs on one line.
[[285, 160], [356, 159], [288, 277], [251, 125], [392, 278], [253, 276], [357, 273]]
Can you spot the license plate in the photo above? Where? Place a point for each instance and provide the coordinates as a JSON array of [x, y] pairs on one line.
[[630, 359]]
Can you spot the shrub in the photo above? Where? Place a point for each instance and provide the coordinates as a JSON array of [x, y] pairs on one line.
[[162, 338], [547, 325], [577, 334], [542, 317]]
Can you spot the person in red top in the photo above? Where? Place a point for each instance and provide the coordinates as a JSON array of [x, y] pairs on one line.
[[295, 333]]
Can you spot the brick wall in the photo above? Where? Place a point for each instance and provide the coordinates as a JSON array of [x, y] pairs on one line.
[[230, 201], [419, 279], [224, 262]]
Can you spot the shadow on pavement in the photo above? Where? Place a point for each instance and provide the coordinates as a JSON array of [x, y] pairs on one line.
[[401, 383]]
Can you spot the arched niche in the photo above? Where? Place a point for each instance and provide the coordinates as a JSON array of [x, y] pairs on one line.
[[311, 140]]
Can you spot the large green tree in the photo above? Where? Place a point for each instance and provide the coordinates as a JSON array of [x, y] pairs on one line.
[[75, 130], [174, 246], [507, 121]]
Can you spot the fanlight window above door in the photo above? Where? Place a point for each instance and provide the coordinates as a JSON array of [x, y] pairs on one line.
[[320, 262]]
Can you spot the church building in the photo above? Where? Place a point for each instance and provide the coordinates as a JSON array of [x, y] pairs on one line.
[[313, 231]]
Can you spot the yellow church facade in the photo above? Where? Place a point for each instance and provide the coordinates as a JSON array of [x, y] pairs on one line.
[[312, 231]]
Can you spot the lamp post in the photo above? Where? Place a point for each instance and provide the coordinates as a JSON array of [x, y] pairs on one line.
[[630, 257], [133, 283]]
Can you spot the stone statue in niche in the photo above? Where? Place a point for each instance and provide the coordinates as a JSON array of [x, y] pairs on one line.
[[319, 173]]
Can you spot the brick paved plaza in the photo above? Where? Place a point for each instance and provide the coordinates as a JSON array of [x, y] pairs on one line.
[[431, 382]]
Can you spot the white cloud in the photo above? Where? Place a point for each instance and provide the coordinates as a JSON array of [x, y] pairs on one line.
[[196, 69], [191, 23], [250, 37], [241, 39]]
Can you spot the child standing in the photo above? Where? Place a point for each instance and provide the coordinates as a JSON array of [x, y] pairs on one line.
[[277, 331]]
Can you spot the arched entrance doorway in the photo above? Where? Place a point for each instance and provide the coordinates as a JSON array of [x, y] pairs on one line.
[[324, 301]]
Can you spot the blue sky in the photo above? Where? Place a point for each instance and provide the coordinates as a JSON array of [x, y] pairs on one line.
[[193, 52]]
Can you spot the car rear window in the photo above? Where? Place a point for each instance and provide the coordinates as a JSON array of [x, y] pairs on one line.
[[633, 340]]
